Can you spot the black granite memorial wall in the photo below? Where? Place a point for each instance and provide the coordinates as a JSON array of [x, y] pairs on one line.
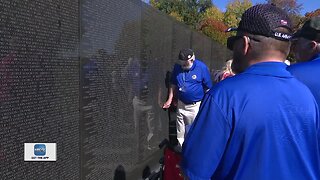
[[88, 75], [39, 86]]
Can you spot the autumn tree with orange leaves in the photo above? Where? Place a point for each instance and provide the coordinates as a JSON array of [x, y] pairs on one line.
[[213, 26], [308, 16]]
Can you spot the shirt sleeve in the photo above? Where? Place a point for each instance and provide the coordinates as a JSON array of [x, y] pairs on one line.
[[207, 78], [317, 122], [206, 141]]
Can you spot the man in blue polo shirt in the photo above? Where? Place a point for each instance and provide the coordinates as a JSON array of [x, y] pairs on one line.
[[190, 80], [261, 123], [306, 47]]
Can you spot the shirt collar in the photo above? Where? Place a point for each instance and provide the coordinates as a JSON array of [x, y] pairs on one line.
[[277, 69], [315, 57]]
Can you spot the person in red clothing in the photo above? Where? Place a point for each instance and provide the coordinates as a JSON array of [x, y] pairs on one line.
[[227, 71]]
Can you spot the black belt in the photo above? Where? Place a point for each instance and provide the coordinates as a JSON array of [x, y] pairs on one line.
[[193, 103]]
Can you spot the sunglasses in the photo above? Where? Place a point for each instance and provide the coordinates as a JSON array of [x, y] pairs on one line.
[[231, 40]]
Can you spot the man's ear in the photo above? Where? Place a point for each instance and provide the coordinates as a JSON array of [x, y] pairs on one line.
[[246, 44], [313, 45]]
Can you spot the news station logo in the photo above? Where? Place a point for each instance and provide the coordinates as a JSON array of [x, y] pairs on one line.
[[39, 149], [40, 152]]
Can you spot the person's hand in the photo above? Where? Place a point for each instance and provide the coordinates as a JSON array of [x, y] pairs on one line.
[[166, 105]]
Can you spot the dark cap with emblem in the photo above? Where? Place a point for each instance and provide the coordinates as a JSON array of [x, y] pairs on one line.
[[185, 54], [264, 19], [310, 30]]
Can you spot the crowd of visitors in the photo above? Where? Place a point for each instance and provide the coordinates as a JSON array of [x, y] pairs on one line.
[[256, 118], [261, 119]]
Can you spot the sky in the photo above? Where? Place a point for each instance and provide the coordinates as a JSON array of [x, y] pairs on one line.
[[307, 5]]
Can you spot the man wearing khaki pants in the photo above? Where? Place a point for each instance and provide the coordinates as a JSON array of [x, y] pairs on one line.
[[189, 81]]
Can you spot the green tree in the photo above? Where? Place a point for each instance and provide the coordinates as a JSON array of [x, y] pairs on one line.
[[176, 16], [213, 13], [189, 11], [154, 4], [167, 6], [234, 11]]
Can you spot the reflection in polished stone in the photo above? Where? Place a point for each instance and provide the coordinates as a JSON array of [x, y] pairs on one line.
[[138, 75], [66, 77]]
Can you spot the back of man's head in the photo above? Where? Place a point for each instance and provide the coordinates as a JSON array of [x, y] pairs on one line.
[[268, 27], [310, 31]]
